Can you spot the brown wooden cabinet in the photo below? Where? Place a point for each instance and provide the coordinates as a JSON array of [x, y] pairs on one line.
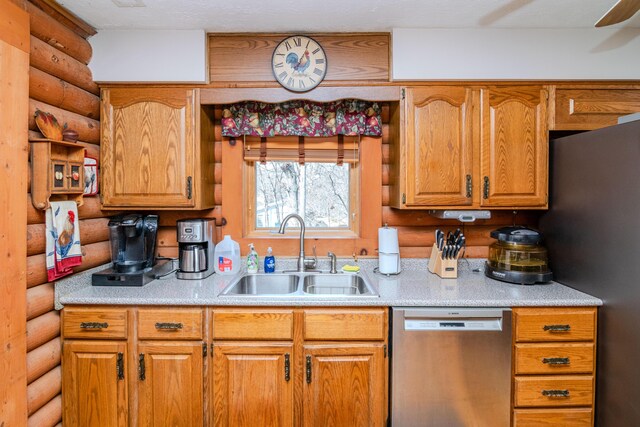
[[593, 108], [554, 366], [153, 152], [252, 384], [469, 147], [514, 147], [94, 382], [344, 383], [170, 384]]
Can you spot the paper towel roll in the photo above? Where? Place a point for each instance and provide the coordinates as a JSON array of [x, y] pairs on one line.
[[388, 240]]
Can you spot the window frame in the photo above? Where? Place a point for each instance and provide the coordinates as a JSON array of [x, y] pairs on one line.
[[249, 200]]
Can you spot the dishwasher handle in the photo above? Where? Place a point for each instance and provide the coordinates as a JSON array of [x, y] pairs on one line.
[[451, 319]]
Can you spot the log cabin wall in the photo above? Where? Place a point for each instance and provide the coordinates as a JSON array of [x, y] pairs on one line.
[[60, 82]]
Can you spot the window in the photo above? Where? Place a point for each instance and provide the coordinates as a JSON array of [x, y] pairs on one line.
[[318, 192]]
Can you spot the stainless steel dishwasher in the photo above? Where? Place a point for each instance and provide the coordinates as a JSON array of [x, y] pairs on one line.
[[450, 367]]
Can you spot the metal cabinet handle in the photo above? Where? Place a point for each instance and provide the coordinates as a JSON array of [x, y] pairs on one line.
[[485, 189], [94, 325], [308, 369], [556, 360], [168, 325], [557, 328], [120, 366], [287, 367], [142, 370], [555, 393], [469, 186]]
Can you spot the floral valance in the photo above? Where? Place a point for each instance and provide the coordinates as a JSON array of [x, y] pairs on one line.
[[302, 118]]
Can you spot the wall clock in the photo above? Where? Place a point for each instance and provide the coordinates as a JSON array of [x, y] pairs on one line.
[[299, 63]]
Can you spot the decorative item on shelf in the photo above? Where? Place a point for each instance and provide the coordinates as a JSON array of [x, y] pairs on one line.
[[57, 172], [69, 135], [445, 254], [90, 175], [48, 125]]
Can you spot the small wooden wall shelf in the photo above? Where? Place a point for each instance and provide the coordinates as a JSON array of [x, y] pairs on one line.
[[57, 172]]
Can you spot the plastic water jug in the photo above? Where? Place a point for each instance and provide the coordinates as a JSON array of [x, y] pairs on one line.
[[226, 256]]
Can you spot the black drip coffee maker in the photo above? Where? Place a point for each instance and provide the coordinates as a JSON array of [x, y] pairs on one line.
[[133, 247]]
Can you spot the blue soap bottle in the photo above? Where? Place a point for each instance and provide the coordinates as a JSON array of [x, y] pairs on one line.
[[269, 261]]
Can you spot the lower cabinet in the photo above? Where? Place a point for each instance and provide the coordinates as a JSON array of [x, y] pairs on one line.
[[170, 384], [344, 385], [252, 384], [94, 383]]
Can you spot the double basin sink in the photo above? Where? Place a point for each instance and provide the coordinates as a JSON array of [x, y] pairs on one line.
[[301, 284]]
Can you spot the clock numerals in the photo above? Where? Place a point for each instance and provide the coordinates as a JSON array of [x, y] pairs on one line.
[[320, 61], [283, 75], [317, 71], [316, 51], [279, 65], [290, 82], [287, 45], [301, 84], [297, 41]]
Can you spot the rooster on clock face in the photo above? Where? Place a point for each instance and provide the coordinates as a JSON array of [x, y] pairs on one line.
[[299, 65]]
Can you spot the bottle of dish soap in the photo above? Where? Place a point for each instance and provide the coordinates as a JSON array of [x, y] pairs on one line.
[[226, 256], [252, 260], [269, 261]]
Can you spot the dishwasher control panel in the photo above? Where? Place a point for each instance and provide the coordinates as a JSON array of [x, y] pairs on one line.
[[453, 324]]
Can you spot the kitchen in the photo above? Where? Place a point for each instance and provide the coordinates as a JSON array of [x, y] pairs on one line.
[[398, 72]]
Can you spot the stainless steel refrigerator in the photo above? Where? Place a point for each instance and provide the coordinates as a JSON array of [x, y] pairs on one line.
[[592, 232]]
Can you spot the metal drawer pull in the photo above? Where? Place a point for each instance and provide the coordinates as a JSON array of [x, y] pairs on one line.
[[168, 325], [557, 328], [555, 393], [94, 325], [120, 366], [142, 371], [308, 369], [556, 360], [287, 367]]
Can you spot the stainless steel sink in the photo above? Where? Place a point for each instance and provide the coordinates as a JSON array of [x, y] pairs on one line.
[[336, 284], [301, 285], [263, 284]]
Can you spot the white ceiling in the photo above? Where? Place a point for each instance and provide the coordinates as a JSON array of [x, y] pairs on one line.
[[339, 15]]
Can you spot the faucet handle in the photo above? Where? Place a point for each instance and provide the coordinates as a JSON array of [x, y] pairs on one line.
[[311, 263]]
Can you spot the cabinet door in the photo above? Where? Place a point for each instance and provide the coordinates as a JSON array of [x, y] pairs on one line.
[[147, 147], [514, 147], [170, 379], [95, 390], [344, 385], [252, 384], [439, 146]]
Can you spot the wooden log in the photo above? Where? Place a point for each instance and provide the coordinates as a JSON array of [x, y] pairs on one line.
[[55, 91], [398, 217], [385, 174], [217, 173], [167, 236], [217, 151], [90, 209], [42, 390], [88, 129], [217, 133], [385, 133], [42, 359], [39, 300], [385, 112], [65, 17], [49, 415], [386, 150], [93, 255], [91, 231], [217, 194], [52, 32], [50, 60], [42, 329], [168, 252], [385, 195], [169, 218], [425, 252]]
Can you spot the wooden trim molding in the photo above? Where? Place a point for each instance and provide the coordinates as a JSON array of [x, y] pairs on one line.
[[320, 94], [14, 92]]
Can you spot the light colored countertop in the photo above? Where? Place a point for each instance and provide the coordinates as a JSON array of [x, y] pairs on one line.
[[414, 286]]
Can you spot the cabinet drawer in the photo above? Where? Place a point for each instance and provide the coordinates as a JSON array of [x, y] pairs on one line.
[[551, 324], [562, 358], [107, 323], [574, 390], [251, 324], [170, 324], [578, 417], [328, 325]]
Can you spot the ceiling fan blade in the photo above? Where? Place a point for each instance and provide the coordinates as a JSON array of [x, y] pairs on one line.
[[621, 11]]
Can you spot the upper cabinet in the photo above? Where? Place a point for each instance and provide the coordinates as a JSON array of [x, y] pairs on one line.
[[152, 150], [586, 109], [467, 147], [514, 147]]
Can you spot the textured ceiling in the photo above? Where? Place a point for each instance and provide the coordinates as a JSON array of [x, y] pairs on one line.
[[339, 15]]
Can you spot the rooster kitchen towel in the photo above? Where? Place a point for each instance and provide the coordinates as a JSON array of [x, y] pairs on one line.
[[63, 239]]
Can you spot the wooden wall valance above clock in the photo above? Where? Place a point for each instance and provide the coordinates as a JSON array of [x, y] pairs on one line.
[[247, 58]]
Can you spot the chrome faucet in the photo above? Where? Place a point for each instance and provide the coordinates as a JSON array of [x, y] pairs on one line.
[[281, 231], [333, 263]]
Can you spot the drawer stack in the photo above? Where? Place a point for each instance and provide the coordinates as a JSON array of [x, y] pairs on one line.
[[554, 366]]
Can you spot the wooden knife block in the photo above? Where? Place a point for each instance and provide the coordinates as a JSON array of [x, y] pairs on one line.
[[445, 268]]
